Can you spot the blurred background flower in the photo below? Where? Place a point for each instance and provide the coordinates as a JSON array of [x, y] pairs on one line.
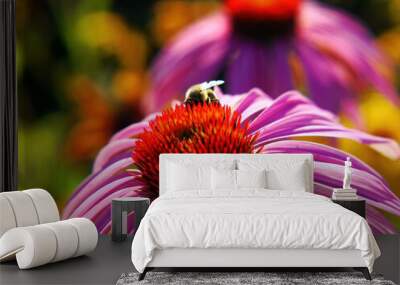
[[170, 17], [81, 73], [84, 72], [95, 120]]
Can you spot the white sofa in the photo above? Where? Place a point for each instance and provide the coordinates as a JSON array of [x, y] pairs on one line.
[[31, 231]]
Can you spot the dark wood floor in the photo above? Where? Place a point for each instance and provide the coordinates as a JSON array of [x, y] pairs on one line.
[[106, 264]]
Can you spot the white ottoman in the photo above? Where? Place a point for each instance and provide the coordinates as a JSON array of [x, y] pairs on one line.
[[31, 232], [40, 244]]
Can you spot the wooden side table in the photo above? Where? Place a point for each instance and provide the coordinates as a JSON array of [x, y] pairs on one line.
[[357, 206], [120, 209]]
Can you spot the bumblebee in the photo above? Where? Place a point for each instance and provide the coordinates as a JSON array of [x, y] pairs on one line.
[[202, 93]]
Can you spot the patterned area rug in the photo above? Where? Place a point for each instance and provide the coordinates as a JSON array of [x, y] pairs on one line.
[[269, 278]]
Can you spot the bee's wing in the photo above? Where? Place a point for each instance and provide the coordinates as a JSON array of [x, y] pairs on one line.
[[211, 84]]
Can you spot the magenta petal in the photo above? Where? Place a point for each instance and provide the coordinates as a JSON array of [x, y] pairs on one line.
[[230, 100], [293, 115], [326, 86], [313, 14], [278, 67], [351, 108], [343, 41], [368, 186], [249, 105], [255, 65], [328, 173], [95, 211], [387, 147], [245, 68], [99, 179], [249, 99], [379, 224], [196, 55], [130, 131], [100, 214], [98, 195], [111, 150], [320, 152], [105, 229], [289, 103]]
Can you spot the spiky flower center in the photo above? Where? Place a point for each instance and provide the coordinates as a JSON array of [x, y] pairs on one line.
[[199, 128]]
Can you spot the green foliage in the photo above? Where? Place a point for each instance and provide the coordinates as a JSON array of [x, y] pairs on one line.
[[41, 160]]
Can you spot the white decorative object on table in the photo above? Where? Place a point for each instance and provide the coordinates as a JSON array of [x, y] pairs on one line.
[[345, 193], [347, 174]]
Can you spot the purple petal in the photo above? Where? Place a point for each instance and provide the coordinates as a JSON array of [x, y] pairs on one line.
[[379, 224], [100, 214], [293, 115], [245, 67], [104, 226], [196, 55], [328, 173], [327, 81], [343, 39], [101, 193], [131, 131], [316, 14], [105, 229], [251, 98], [111, 150], [278, 67], [117, 157], [255, 65], [368, 186], [99, 179], [249, 104], [291, 102], [230, 100], [351, 108]]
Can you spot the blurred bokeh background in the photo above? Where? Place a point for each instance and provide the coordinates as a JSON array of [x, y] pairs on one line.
[[83, 74]]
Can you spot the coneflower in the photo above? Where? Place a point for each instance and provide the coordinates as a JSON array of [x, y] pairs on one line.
[[251, 122]]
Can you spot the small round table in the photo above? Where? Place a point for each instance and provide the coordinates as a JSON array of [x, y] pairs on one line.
[[120, 209]]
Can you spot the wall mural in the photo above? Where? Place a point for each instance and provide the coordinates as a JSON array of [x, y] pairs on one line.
[[102, 87]]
